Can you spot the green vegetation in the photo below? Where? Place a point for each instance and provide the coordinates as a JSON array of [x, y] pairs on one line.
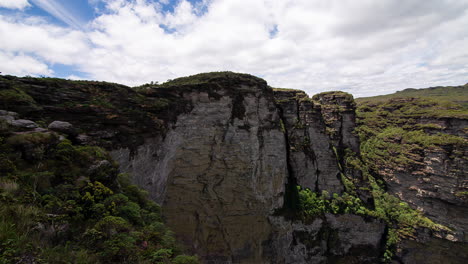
[[394, 131], [312, 204], [286, 90], [203, 78], [454, 94], [15, 97], [334, 95], [394, 134], [396, 148], [88, 104], [62, 203], [399, 216], [407, 112]]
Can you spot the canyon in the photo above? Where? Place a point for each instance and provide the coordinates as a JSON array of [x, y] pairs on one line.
[[224, 153]]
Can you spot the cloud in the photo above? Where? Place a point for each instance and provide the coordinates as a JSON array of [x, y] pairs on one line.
[[21, 64], [363, 47], [74, 77], [50, 43], [14, 4], [60, 12]]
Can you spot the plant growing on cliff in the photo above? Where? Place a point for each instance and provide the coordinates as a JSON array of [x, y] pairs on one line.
[[312, 204], [67, 204], [399, 216]]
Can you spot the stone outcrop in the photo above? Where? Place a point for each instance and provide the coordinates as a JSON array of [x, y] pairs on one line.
[[436, 183], [312, 160], [339, 113], [431, 250], [62, 127], [436, 187], [23, 124], [330, 239]]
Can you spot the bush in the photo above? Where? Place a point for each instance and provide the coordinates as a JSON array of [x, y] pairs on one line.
[[184, 259], [119, 248], [53, 208], [311, 205], [111, 225]]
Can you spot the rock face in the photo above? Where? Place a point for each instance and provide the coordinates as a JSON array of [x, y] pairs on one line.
[[432, 250], [223, 153], [434, 179], [313, 163], [219, 171], [339, 112], [435, 186], [331, 239]]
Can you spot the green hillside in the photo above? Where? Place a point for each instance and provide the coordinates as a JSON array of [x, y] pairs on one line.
[[395, 128], [454, 94]]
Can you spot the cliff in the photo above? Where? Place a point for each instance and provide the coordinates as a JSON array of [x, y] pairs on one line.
[[416, 142], [249, 174]]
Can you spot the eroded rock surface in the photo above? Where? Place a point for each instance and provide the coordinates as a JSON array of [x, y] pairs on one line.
[[330, 239], [313, 162], [339, 112], [221, 153], [219, 172], [436, 186]]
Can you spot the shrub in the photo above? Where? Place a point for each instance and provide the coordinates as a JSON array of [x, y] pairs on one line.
[[120, 247], [184, 259], [111, 225], [162, 255]]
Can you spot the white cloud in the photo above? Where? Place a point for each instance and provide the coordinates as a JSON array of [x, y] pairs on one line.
[[364, 47], [50, 43], [14, 4], [74, 77], [20, 64]]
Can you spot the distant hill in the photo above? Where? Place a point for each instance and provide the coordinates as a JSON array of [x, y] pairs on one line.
[[454, 94]]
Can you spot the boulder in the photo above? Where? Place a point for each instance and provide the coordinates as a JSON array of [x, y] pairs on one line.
[[24, 124], [62, 127], [9, 113], [8, 116]]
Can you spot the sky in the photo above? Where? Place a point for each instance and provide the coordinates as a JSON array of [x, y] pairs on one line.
[[364, 47]]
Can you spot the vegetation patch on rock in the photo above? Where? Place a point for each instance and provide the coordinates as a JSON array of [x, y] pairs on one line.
[[65, 203]]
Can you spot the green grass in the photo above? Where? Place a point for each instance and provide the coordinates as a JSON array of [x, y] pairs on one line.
[[458, 95], [204, 78], [396, 129], [331, 94], [286, 90]]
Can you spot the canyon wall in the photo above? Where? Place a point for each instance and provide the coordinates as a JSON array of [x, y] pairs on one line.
[[223, 153]]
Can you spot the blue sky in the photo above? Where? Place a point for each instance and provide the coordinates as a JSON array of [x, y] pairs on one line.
[[364, 47], [83, 11], [77, 14]]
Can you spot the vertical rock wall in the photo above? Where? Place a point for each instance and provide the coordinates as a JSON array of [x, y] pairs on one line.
[[219, 171], [329, 239], [313, 162]]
